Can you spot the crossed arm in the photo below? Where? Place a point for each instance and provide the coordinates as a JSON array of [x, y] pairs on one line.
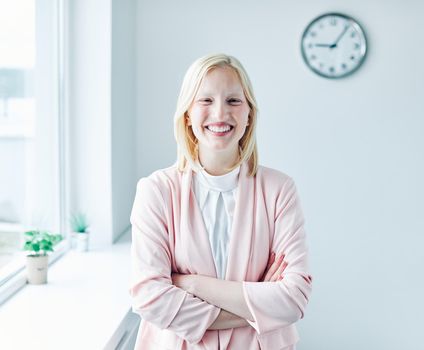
[[227, 295], [188, 305]]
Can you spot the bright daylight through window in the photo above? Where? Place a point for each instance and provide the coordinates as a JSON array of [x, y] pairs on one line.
[[29, 120]]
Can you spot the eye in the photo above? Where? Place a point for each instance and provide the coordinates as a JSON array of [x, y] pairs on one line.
[[234, 101], [205, 101]]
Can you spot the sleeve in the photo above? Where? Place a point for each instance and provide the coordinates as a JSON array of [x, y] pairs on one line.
[[154, 297], [278, 304]]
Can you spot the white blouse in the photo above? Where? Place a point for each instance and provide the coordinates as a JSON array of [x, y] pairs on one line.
[[216, 198]]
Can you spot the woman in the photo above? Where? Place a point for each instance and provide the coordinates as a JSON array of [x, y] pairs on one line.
[[219, 253]]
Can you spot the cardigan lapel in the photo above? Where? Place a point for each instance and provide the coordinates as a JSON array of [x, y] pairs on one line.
[[241, 231], [193, 231]]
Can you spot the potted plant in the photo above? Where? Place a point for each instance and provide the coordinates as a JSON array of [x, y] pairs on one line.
[[37, 245], [80, 232]]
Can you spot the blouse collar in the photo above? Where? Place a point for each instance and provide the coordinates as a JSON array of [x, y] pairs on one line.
[[220, 183]]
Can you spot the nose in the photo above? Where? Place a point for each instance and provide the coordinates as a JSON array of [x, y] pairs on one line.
[[220, 110]]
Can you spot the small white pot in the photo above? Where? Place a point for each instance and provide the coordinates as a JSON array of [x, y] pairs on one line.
[[37, 267], [81, 241]]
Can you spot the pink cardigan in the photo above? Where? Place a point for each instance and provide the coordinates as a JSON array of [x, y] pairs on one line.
[[168, 235]]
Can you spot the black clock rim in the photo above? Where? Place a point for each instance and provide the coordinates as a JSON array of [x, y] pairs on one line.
[[339, 14]]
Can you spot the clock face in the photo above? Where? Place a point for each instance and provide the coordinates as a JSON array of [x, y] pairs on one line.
[[333, 45]]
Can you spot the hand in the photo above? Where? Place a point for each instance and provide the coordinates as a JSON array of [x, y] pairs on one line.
[[185, 282], [339, 37], [275, 268], [182, 281], [323, 45]]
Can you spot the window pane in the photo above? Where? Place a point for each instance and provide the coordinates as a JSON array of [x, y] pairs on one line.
[[29, 196]]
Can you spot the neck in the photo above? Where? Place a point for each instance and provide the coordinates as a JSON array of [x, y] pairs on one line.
[[218, 163]]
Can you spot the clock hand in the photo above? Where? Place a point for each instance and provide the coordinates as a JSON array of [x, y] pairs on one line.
[[339, 37], [323, 45]]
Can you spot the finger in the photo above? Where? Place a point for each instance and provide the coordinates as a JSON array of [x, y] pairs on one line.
[[271, 269], [279, 271], [308, 278], [268, 266], [270, 262], [278, 274], [274, 267]]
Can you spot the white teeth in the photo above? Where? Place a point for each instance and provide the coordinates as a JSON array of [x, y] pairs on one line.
[[219, 128]]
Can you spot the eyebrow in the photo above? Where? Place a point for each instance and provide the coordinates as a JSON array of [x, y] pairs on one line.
[[229, 94]]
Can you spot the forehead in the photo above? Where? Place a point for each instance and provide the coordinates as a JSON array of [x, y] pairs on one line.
[[221, 78]]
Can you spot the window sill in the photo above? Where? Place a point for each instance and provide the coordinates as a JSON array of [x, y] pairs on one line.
[[83, 306]]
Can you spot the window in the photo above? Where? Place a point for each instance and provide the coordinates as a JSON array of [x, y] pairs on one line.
[[30, 138]]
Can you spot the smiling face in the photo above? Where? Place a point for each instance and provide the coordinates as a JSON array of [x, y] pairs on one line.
[[219, 114]]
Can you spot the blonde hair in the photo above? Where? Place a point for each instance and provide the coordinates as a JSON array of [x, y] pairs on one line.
[[187, 148]]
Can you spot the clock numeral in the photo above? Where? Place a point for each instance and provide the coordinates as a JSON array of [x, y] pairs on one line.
[[313, 57], [331, 69], [344, 66], [333, 21], [356, 46], [353, 34], [313, 34], [310, 46], [352, 58], [321, 65]]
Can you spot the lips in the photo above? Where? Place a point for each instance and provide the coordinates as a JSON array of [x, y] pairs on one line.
[[219, 129]]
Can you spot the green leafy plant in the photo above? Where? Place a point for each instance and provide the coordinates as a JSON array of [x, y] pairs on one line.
[[79, 223], [38, 243]]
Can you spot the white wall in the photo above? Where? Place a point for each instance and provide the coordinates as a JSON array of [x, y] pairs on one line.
[[353, 147], [101, 114], [90, 114], [123, 113]]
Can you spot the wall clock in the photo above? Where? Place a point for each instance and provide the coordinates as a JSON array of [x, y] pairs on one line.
[[333, 45]]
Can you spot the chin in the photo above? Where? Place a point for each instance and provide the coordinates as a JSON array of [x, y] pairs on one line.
[[221, 148]]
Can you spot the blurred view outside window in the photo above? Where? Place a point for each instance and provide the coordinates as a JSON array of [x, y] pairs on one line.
[[29, 175]]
